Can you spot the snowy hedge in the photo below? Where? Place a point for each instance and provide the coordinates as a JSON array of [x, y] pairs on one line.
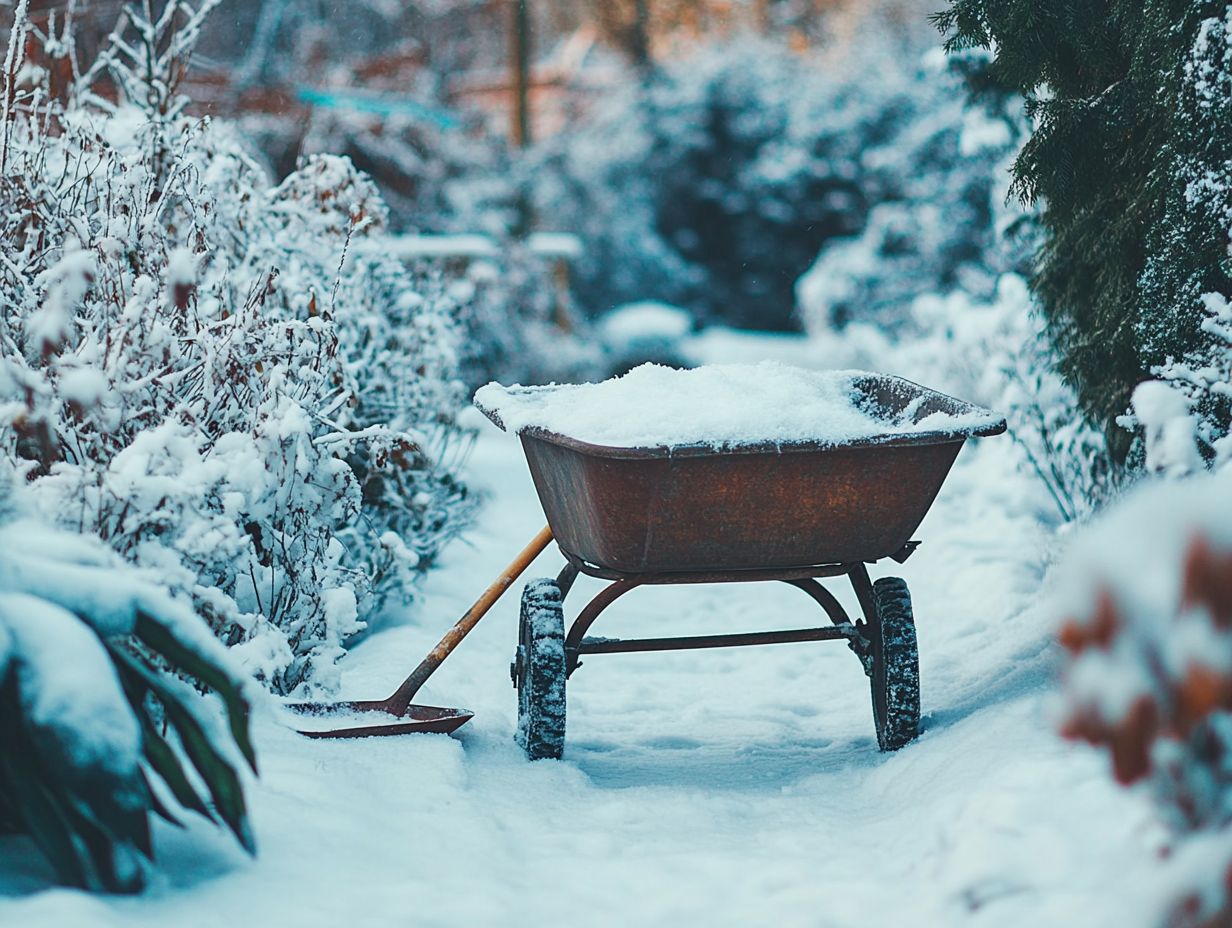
[[96, 733], [202, 368]]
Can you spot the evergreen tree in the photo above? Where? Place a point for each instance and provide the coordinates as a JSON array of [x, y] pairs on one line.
[[1129, 164]]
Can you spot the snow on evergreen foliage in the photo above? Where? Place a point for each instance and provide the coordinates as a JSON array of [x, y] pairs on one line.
[[1128, 160], [1204, 374], [1167, 428], [1204, 377], [205, 370], [1201, 196]]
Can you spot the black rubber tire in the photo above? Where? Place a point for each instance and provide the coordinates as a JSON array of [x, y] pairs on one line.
[[540, 671], [896, 666]]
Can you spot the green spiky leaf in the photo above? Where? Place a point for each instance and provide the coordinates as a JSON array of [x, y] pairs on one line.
[[163, 641], [220, 778]]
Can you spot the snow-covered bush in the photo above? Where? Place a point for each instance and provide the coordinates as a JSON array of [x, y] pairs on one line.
[[200, 367], [97, 734], [1204, 378], [444, 180], [935, 177], [509, 313], [716, 184], [703, 188], [1147, 603], [436, 178], [439, 173]]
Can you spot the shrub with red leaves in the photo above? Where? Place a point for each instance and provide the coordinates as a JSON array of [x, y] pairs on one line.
[[1149, 674]]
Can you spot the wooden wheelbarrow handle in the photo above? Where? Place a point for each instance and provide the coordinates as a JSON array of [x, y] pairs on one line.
[[402, 696]]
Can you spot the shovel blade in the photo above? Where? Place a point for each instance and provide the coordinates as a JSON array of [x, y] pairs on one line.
[[350, 724]]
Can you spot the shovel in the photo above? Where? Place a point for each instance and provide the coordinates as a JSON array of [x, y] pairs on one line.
[[401, 717]]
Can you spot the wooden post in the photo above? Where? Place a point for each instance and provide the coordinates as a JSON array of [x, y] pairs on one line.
[[761, 13], [519, 129], [519, 63], [561, 314], [639, 43]]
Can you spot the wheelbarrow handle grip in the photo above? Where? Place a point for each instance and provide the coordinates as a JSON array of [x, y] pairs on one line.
[[410, 686]]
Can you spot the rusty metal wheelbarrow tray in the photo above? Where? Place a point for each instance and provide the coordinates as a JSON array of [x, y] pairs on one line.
[[638, 510]]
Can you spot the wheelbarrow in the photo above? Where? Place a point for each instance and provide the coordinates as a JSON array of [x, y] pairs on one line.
[[794, 512]]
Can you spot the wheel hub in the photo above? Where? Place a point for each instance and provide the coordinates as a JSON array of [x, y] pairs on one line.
[[515, 667]]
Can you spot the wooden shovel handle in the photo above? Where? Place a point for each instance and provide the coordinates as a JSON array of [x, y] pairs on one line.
[[398, 702]]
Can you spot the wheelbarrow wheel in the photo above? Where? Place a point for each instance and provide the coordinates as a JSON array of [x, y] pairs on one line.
[[539, 671], [896, 666]]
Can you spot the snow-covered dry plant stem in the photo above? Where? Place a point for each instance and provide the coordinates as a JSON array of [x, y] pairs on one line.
[[201, 367], [12, 57], [1012, 366]]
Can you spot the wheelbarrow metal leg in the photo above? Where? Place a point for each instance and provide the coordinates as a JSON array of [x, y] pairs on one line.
[[565, 578], [870, 626], [823, 598], [586, 618], [863, 586]]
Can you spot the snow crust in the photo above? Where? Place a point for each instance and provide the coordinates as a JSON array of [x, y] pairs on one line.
[[723, 405]]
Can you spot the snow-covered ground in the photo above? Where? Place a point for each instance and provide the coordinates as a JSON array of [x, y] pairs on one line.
[[726, 787]]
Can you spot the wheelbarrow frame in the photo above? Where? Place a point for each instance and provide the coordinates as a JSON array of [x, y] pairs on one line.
[[789, 512], [805, 579], [896, 713]]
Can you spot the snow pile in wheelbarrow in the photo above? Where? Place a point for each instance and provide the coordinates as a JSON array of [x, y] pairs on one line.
[[729, 405]]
